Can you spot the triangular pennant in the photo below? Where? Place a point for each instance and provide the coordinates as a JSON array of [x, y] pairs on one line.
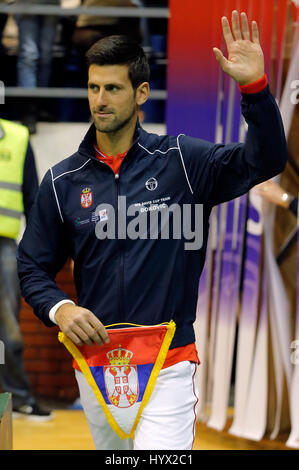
[[123, 372]]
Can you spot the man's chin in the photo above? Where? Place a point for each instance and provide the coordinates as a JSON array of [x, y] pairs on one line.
[[111, 127], [101, 127]]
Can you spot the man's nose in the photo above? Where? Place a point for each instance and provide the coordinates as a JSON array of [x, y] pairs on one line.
[[101, 98]]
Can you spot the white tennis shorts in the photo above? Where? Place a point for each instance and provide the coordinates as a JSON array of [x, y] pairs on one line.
[[167, 422]]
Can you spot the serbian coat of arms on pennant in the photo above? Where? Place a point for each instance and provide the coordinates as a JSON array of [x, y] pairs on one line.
[[121, 378]]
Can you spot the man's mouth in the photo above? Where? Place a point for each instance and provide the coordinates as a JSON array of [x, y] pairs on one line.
[[103, 114]]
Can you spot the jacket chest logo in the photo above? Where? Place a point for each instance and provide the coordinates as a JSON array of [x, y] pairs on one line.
[[86, 198], [151, 184]]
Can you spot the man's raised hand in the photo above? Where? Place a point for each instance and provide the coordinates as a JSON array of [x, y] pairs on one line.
[[245, 62]]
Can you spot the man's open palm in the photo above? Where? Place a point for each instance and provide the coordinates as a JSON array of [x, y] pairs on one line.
[[245, 62]]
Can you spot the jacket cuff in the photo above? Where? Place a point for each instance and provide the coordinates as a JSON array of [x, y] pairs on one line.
[[254, 87], [56, 307]]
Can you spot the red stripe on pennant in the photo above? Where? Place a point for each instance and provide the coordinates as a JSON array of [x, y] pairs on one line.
[[123, 342]]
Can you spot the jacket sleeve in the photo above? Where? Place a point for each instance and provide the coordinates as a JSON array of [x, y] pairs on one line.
[[218, 173], [42, 252]]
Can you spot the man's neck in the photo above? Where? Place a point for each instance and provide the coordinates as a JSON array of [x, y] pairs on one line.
[[115, 143]]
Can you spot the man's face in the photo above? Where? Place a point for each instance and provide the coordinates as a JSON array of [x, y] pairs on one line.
[[111, 97]]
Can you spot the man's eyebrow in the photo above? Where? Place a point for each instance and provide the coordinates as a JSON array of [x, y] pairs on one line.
[[120, 85]]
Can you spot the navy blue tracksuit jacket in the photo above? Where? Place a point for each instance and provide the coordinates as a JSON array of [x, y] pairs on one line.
[[144, 280]]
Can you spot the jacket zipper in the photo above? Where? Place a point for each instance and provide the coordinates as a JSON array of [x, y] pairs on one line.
[[121, 254], [121, 251], [120, 244]]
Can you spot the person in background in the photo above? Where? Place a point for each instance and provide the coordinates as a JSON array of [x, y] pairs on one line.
[[273, 192], [36, 39], [18, 188], [90, 29], [3, 19]]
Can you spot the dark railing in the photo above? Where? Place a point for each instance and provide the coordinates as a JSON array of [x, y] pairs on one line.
[[119, 12]]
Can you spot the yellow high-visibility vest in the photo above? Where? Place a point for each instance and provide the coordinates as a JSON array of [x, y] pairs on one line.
[[13, 147]]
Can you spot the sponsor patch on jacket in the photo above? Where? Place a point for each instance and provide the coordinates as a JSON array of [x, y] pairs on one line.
[[86, 198], [79, 222], [103, 215]]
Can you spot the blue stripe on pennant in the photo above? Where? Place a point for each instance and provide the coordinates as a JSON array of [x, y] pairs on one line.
[[98, 375], [144, 371]]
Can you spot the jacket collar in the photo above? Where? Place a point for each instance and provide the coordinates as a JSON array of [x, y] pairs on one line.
[[86, 148]]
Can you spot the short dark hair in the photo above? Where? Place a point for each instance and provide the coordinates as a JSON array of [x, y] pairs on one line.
[[121, 50]]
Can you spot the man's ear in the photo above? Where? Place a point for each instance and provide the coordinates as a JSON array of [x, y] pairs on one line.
[[142, 93]]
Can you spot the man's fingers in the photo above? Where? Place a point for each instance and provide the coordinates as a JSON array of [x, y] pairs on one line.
[[81, 325], [74, 337], [227, 34], [81, 334], [236, 25], [100, 334], [245, 26], [255, 33], [86, 334], [235, 33], [220, 58], [218, 54], [93, 330]]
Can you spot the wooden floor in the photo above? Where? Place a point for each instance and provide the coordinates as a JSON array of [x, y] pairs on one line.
[[209, 439], [69, 431]]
